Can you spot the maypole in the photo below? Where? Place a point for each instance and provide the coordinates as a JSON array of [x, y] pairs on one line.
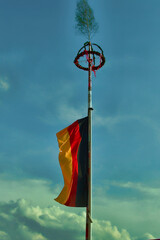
[[89, 207], [95, 60], [75, 141], [85, 24]]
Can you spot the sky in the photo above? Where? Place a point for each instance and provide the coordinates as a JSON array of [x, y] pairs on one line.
[[42, 92]]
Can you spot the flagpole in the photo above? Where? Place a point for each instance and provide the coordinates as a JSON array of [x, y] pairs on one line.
[[89, 205], [90, 56]]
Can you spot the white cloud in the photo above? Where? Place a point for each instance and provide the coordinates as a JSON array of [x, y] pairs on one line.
[[70, 114], [149, 236], [4, 236], [152, 191], [107, 231], [4, 85], [29, 189], [55, 107], [110, 122], [124, 213], [137, 211], [35, 223], [65, 113], [26, 234]]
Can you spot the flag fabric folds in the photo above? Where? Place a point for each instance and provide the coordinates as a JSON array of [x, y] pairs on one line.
[[73, 159]]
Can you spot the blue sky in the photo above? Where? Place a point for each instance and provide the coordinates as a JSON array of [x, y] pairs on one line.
[[41, 92]]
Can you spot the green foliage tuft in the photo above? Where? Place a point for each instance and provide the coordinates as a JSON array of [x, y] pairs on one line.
[[85, 21]]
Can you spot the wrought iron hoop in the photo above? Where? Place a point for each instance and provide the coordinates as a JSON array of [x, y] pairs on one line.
[[85, 52]]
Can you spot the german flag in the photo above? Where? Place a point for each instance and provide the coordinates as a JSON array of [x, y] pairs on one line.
[[73, 159]]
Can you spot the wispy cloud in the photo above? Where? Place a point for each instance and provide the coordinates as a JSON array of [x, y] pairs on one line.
[[152, 191], [63, 113], [4, 84], [70, 113], [111, 122], [145, 236]]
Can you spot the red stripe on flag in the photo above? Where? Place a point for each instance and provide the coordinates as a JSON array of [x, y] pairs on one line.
[[75, 139]]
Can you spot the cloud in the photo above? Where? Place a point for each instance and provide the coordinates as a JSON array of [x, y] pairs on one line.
[[110, 122], [65, 113], [150, 191], [70, 113], [107, 231], [21, 220], [146, 236], [4, 85], [39, 191], [33, 217], [129, 205], [149, 236], [60, 105], [4, 236]]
